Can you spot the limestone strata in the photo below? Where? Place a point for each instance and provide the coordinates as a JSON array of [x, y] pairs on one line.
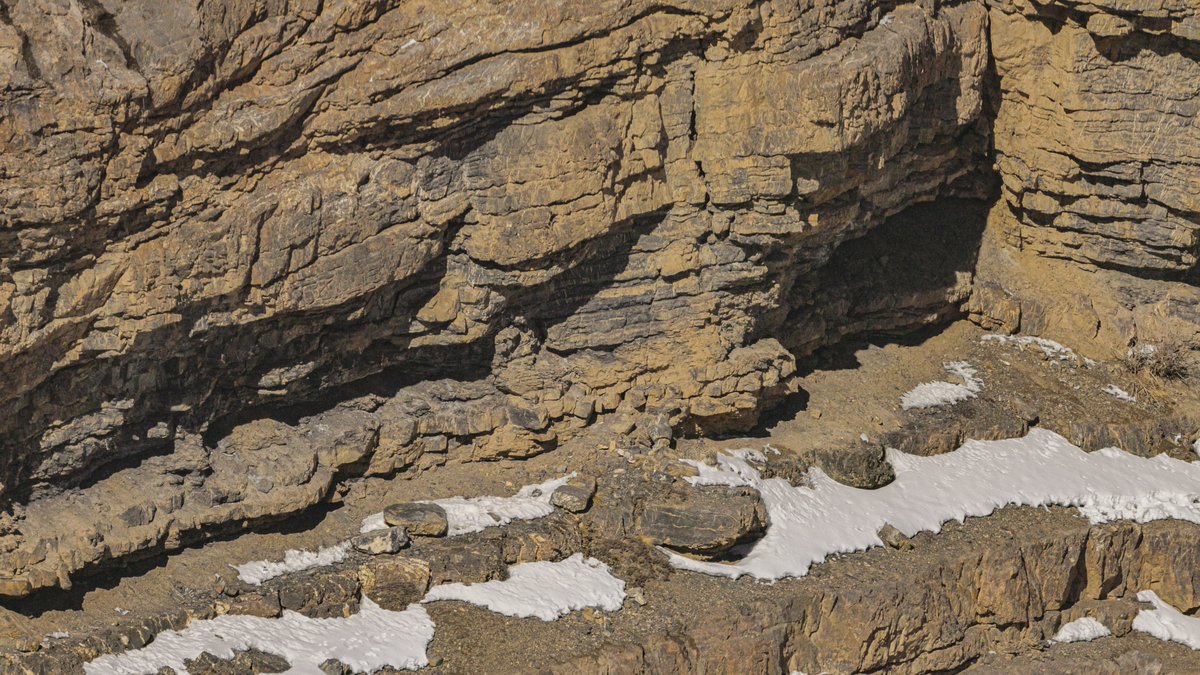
[[250, 249], [924, 611], [1099, 154]]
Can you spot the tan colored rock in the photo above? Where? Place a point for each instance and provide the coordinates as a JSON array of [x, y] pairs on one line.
[[395, 583], [269, 248]]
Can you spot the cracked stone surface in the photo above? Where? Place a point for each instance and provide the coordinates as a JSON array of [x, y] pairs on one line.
[[254, 250]]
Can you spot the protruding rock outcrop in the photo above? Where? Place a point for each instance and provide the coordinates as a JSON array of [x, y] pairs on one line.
[[249, 251]]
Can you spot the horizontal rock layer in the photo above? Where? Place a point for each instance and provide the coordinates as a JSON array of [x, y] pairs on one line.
[[251, 249], [931, 611]]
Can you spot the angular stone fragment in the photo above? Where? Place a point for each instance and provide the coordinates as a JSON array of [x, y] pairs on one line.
[[378, 542], [576, 495], [420, 519], [394, 583], [321, 596], [705, 521], [256, 603], [893, 538]]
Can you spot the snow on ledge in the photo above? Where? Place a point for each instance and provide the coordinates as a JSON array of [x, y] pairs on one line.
[[1052, 349], [474, 514], [934, 394], [811, 522], [294, 560], [1084, 629], [1167, 623], [546, 590], [1119, 393], [372, 639]]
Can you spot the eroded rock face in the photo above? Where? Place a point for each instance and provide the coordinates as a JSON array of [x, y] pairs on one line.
[[249, 249], [1095, 237]]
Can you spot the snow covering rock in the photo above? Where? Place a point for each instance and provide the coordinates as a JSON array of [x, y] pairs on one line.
[[259, 571], [810, 522], [372, 639], [473, 514], [1167, 623], [934, 394], [1119, 393], [1051, 349], [1083, 629], [546, 590]]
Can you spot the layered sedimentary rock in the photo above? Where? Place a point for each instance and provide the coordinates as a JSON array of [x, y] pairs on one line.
[[1098, 151], [250, 249]]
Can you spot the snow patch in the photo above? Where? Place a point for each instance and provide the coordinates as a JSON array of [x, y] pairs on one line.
[[1167, 623], [372, 639], [934, 394], [1052, 349], [1119, 393], [749, 454], [473, 514], [373, 522], [1085, 629], [258, 571], [546, 590], [824, 517]]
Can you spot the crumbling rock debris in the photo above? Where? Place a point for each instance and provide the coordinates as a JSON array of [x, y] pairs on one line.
[[376, 542]]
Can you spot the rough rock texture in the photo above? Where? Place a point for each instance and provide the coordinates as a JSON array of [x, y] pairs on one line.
[[249, 249], [705, 521], [1095, 238], [923, 611]]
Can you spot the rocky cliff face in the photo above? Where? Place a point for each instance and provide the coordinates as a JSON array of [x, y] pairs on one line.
[[1098, 150], [249, 250]]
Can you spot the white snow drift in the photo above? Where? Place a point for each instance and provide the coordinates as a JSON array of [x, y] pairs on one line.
[[375, 637], [1167, 623], [1052, 349], [934, 394], [1119, 393], [367, 641], [1084, 629], [546, 590], [258, 571], [811, 522], [473, 514]]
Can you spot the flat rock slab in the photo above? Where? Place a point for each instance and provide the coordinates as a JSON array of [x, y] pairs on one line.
[[420, 519], [704, 520]]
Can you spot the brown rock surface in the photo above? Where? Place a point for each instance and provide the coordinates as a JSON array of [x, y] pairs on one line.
[[252, 250]]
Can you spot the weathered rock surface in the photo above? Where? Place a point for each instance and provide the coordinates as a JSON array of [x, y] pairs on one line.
[[425, 520], [250, 250], [576, 495], [1095, 237], [704, 520], [388, 540]]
